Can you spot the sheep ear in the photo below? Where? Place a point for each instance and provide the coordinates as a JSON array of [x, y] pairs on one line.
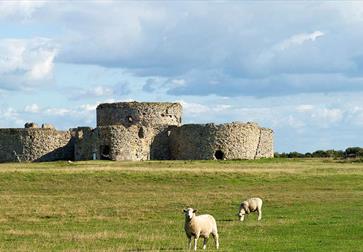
[[195, 210], [184, 210]]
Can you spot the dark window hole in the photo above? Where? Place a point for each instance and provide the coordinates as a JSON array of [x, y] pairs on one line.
[[105, 152], [219, 155], [141, 133]]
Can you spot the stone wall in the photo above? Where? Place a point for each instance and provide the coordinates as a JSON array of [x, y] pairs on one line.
[[225, 141], [265, 148], [85, 143], [136, 131], [35, 144], [136, 143], [143, 113]]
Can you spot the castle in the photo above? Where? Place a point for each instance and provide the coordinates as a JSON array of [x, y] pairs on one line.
[[137, 131]]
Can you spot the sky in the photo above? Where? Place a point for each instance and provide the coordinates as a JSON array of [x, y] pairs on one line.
[[295, 67]]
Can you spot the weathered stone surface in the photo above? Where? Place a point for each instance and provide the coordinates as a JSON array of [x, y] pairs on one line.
[[137, 131], [85, 143], [118, 142], [143, 113], [265, 148], [47, 126], [35, 144], [225, 141]]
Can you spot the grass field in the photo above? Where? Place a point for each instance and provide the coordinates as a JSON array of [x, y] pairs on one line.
[[309, 205]]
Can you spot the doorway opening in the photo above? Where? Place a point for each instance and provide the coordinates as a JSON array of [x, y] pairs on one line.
[[219, 155], [105, 152]]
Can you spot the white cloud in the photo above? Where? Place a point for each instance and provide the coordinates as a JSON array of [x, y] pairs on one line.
[[33, 108], [305, 108], [96, 91], [194, 108], [298, 39], [58, 111], [321, 116], [222, 107], [92, 107], [326, 116], [19, 8], [177, 83], [88, 107], [351, 11], [99, 92], [44, 66], [9, 117], [26, 62], [294, 122]]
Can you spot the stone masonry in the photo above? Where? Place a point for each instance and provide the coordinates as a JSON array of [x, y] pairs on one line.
[[225, 141], [35, 144], [137, 131]]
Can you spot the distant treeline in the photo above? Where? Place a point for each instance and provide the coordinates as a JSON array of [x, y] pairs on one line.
[[351, 152]]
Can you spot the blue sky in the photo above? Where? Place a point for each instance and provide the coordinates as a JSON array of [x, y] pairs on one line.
[[295, 67]]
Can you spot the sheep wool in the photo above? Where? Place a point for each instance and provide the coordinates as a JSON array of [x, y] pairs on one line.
[[250, 205], [200, 226]]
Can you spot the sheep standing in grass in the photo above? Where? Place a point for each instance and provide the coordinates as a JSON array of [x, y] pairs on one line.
[[250, 205], [200, 226]]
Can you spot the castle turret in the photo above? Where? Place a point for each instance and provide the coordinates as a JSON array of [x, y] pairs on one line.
[[225, 141], [148, 114], [136, 130]]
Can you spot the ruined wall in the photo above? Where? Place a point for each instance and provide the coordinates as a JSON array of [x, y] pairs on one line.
[[85, 143], [136, 143], [225, 141], [35, 144], [136, 131], [147, 114], [265, 148]]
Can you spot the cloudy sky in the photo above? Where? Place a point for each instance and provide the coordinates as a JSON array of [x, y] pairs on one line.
[[295, 67]]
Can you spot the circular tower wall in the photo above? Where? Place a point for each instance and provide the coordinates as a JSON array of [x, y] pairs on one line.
[[144, 113], [210, 141]]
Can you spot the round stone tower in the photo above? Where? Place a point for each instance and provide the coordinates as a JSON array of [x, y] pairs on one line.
[[143, 113], [226, 141], [136, 130]]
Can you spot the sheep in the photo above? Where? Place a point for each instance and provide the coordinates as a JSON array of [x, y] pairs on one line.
[[250, 205], [199, 226]]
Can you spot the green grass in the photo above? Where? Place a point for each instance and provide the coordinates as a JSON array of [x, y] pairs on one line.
[[309, 205]]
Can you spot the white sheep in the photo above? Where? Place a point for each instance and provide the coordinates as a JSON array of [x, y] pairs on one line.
[[250, 205], [200, 226]]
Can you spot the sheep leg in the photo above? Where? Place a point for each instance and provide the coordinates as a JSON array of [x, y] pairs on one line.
[[205, 242], [216, 239], [259, 211], [242, 218], [195, 243], [189, 243]]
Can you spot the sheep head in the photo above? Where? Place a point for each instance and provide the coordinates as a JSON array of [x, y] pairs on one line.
[[189, 213], [243, 210]]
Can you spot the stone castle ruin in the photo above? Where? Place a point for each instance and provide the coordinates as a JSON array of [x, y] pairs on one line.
[[137, 131]]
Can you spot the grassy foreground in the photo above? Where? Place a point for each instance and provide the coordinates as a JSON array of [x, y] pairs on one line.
[[309, 205]]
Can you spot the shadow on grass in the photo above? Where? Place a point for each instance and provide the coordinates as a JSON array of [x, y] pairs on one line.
[[226, 220], [159, 249]]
